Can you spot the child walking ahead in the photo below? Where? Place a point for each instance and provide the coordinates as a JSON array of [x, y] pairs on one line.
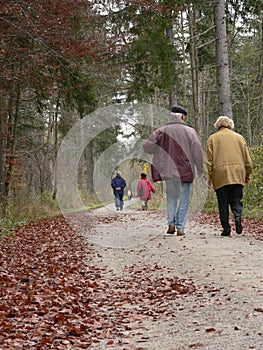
[[144, 189]]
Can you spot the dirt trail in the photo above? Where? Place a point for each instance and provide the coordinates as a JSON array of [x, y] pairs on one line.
[[226, 312]]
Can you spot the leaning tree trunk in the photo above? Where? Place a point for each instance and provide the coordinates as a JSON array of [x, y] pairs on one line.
[[261, 71], [55, 148], [2, 174], [194, 65], [184, 66], [90, 167], [222, 65], [172, 95], [11, 139]]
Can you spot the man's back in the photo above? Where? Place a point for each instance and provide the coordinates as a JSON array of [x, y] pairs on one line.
[[118, 183], [177, 150]]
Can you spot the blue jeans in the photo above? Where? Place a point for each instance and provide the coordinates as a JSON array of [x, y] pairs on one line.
[[178, 199], [119, 200]]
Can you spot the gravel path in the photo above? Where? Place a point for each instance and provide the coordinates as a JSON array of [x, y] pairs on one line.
[[225, 312]]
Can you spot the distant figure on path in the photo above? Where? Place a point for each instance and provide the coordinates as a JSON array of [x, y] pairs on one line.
[[129, 195], [176, 151], [144, 189], [229, 167], [118, 184]]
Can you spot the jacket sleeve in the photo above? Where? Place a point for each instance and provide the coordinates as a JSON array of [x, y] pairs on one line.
[[208, 161], [198, 155], [123, 185], [150, 146], [151, 186], [248, 161]]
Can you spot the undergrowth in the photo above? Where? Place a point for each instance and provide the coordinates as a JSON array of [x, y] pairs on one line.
[[23, 210]]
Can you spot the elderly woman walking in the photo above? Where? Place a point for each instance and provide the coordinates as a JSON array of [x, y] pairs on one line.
[[228, 166]]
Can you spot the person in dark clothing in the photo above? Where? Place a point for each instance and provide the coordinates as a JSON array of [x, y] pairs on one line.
[[118, 184]]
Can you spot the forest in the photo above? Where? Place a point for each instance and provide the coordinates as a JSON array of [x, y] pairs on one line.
[[109, 70]]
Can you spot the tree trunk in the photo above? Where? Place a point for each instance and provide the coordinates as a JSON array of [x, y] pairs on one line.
[[172, 96], [184, 73], [194, 65], [55, 148], [90, 167], [261, 71], [222, 65], [2, 162], [11, 141]]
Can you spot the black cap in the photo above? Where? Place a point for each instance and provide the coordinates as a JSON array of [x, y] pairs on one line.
[[177, 109]]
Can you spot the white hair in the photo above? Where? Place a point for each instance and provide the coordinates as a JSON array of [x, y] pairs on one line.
[[224, 121], [176, 115]]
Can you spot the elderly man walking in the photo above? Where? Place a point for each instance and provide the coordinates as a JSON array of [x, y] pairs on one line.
[[177, 151], [118, 184]]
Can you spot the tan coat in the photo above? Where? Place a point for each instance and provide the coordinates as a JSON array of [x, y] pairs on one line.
[[227, 159]]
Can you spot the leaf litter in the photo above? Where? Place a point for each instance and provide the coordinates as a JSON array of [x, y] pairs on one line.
[[54, 297], [252, 227]]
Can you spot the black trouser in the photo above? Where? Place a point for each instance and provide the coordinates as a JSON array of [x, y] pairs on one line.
[[229, 195]]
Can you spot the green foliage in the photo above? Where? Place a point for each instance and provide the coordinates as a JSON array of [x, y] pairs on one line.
[[90, 200], [46, 199], [149, 59], [211, 202], [246, 86], [253, 193], [8, 224], [140, 51], [78, 93], [42, 207], [23, 209], [105, 139]]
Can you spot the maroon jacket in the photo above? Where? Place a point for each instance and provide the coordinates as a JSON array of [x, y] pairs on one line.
[[177, 151]]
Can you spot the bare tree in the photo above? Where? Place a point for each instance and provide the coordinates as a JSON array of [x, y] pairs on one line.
[[194, 62], [223, 79], [2, 177]]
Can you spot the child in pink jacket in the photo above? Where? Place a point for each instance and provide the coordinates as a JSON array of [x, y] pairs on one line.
[[144, 189]]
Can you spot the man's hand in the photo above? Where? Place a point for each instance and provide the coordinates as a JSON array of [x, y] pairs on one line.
[[247, 179]]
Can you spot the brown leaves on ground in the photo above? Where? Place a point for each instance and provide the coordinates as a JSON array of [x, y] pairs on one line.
[[251, 227], [53, 297]]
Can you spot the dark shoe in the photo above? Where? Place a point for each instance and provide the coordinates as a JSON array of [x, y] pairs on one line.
[[180, 233], [239, 226], [225, 234], [171, 230]]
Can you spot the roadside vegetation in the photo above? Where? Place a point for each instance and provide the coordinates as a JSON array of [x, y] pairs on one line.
[[45, 206], [64, 62]]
